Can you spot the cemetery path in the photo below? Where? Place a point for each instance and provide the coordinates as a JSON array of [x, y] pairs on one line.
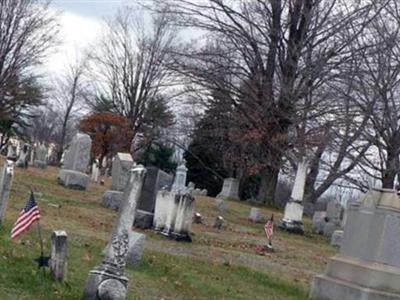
[[231, 257]]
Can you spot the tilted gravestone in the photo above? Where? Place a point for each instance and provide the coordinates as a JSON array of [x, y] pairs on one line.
[[58, 257], [6, 178], [368, 264], [107, 281], [177, 220], [121, 166], [230, 189], [75, 164], [155, 180], [40, 160]]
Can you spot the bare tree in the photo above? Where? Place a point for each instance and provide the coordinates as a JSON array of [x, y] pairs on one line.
[[69, 93], [375, 90], [264, 46], [27, 31], [129, 67]]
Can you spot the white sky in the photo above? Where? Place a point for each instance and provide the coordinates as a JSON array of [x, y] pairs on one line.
[[80, 22]]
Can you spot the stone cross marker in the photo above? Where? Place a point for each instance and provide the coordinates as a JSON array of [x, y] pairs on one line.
[[58, 257], [6, 178], [107, 281], [121, 166], [76, 161]]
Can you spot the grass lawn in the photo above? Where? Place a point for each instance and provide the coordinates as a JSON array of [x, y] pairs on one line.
[[217, 265]]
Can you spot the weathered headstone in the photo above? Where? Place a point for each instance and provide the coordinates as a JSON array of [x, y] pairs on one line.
[[230, 189], [334, 212], [293, 215], [75, 164], [368, 265], [58, 256], [336, 239], [107, 281], [40, 160], [318, 222], [179, 184], [334, 215], [164, 209], [221, 204], [6, 178], [12, 152], [204, 192], [121, 165], [184, 217], [23, 158], [254, 215], [155, 180], [95, 171]]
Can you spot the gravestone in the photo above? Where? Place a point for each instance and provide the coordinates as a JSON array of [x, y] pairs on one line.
[[155, 180], [165, 205], [334, 212], [204, 192], [12, 152], [76, 161], [40, 160], [23, 158], [318, 222], [184, 217], [121, 165], [107, 281], [6, 178], [58, 256], [337, 237], [368, 264], [334, 215], [180, 178], [176, 220], [255, 215], [221, 204], [230, 189], [95, 171]]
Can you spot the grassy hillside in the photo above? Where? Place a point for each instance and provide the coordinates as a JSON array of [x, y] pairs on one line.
[[217, 265]]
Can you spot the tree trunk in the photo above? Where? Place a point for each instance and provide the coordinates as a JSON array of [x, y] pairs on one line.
[[269, 181], [389, 174]]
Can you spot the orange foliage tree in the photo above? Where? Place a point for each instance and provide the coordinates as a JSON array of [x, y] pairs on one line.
[[110, 133]]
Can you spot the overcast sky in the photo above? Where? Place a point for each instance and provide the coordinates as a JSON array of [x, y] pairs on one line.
[[81, 22]]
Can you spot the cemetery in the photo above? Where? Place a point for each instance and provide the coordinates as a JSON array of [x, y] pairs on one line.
[[166, 268], [213, 149]]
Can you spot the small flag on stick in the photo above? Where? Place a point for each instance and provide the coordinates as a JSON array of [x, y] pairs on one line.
[[269, 230], [28, 215]]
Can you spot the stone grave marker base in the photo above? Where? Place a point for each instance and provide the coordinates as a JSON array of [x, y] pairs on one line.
[[73, 179], [112, 199]]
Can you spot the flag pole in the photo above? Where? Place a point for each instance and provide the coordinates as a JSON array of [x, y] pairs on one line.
[[40, 238]]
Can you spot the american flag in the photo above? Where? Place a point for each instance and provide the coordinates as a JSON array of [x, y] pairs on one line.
[[26, 217], [269, 228]]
